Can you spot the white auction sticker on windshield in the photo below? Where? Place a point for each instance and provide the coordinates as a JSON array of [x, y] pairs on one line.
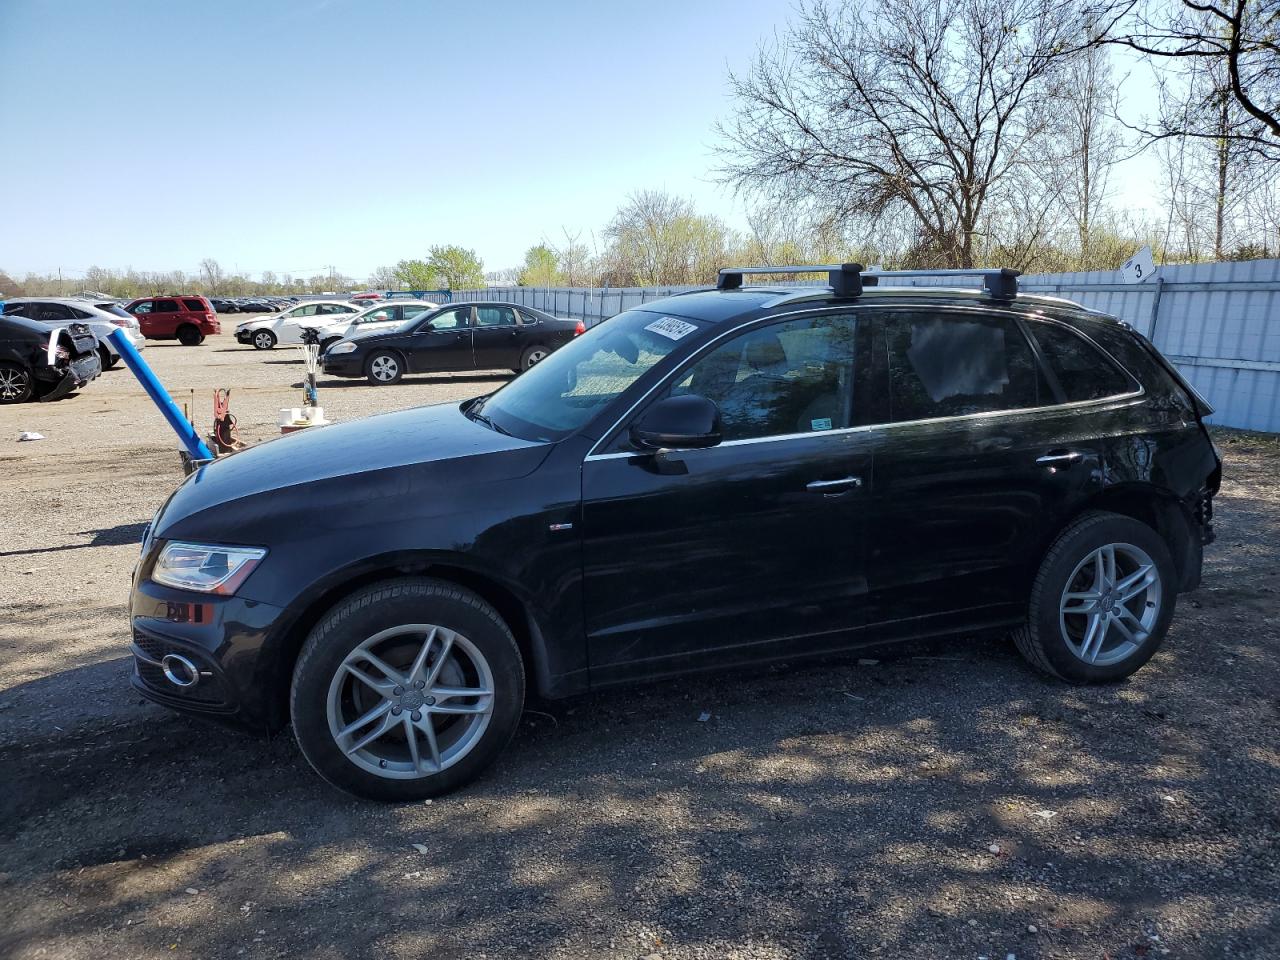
[[671, 328]]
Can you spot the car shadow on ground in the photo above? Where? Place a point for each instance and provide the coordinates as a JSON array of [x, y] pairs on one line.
[[943, 795], [107, 537]]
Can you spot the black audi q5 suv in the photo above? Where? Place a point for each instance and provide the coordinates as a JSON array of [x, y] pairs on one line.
[[730, 476]]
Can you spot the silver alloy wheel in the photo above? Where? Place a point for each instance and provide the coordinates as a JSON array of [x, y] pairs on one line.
[[13, 383], [536, 355], [410, 701], [1111, 604], [384, 368], [263, 340]]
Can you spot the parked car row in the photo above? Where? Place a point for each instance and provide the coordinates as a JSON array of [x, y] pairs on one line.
[[251, 304]]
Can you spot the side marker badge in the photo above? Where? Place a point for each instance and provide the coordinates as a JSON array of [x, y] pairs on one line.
[[556, 527]]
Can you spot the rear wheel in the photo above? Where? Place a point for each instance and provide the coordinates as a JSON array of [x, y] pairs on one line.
[[189, 335], [15, 383], [407, 689], [385, 368], [533, 355], [263, 339], [104, 355], [1101, 602]]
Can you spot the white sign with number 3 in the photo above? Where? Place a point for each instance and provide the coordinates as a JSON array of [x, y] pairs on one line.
[[1141, 266]]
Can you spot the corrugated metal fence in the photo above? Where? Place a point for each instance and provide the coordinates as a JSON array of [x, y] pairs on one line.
[[1219, 322]]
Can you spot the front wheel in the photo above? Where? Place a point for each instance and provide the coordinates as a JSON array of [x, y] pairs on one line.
[[407, 689], [385, 368], [1101, 602], [263, 340]]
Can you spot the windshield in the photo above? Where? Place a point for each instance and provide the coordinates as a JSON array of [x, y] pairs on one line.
[[563, 392]]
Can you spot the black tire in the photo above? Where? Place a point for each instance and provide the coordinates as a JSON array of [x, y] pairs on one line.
[[189, 335], [384, 368], [104, 355], [532, 355], [263, 340], [1042, 642], [381, 607], [16, 383]]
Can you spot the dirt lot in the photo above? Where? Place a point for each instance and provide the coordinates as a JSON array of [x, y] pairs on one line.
[[940, 802]]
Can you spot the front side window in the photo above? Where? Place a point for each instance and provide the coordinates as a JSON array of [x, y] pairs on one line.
[[1082, 370], [308, 311], [143, 307], [495, 317], [456, 319], [566, 390], [955, 365], [786, 378]]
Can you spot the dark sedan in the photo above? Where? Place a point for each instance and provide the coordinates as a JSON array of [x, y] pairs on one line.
[[460, 336], [31, 367]]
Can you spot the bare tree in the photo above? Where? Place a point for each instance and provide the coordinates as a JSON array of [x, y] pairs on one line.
[[656, 238], [934, 107], [211, 275], [1240, 39]]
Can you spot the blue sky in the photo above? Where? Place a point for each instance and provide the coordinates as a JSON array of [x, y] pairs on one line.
[[295, 134]]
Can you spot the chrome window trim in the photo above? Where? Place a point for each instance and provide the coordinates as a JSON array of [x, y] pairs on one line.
[[982, 310]]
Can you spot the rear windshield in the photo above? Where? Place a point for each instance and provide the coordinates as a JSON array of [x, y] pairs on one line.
[[195, 304], [114, 309]]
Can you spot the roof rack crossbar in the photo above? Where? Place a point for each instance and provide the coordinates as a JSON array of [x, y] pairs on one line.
[[845, 278], [1000, 282], [848, 279]]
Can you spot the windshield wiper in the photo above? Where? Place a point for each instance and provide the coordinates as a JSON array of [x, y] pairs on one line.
[[488, 422]]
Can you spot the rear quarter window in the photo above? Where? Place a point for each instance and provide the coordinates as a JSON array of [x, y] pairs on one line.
[[196, 305], [1082, 370]]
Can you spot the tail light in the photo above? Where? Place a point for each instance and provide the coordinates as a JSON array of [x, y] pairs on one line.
[[580, 329], [120, 322], [62, 353]]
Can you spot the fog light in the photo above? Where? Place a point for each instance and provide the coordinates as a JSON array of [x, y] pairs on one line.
[[179, 671]]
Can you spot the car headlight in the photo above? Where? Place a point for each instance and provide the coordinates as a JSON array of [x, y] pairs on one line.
[[344, 346], [205, 568]]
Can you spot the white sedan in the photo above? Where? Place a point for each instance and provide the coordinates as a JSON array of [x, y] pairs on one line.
[[382, 316], [286, 327]]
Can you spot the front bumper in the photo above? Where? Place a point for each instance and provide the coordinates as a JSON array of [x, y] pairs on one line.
[[222, 637], [244, 336], [343, 365]]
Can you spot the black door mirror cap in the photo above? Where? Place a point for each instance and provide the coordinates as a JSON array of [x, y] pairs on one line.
[[686, 422]]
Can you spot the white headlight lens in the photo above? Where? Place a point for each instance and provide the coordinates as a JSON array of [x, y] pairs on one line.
[[346, 346], [205, 568]]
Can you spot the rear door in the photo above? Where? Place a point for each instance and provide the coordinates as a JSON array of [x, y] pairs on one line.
[[441, 344], [750, 549], [496, 341], [967, 487], [166, 316]]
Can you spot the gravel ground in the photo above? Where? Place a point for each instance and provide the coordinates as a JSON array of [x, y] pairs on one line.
[[941, 801]]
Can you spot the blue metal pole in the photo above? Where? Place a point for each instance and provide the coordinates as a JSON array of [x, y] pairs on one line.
[[159, 396]]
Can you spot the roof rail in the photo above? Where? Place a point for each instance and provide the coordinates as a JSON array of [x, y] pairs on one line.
[[848, 279]]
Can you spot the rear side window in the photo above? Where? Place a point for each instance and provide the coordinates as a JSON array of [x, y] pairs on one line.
[[197, 305], [957, 365], [1083, 371], [166, 306]]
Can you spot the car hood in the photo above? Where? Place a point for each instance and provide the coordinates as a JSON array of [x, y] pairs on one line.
[[419, 454]]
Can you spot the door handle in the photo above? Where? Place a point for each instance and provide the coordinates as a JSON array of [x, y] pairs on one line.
[[829, 487], [1060, 458]]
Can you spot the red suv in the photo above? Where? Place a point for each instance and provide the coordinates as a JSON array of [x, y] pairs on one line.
[[188, 319]]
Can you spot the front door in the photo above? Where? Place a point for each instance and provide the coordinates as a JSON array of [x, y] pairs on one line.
[[442, 343], [750, 549], [496, 340]]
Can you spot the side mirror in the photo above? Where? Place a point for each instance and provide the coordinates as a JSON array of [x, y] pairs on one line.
[[688, 422]]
